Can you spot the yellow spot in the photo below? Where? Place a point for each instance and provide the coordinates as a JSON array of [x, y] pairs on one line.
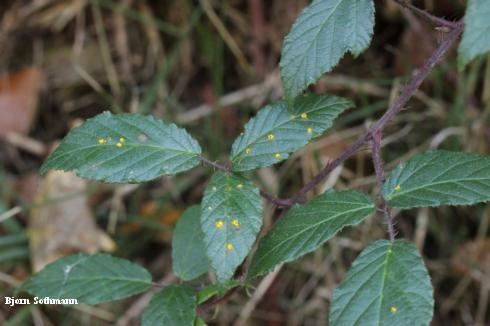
[[309, 130], [304, 115], [122, 139], [235, 223], [219, 224], [277, 156], [119, 145], [248, 150], [102, 141], [229, 247], [293, 116], [398, 187], [241, 134], [393, 309], [239, 186], [270, 136]]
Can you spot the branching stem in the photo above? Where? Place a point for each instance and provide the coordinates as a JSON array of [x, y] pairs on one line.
[[215, 165], [372, 134], [406, 93]]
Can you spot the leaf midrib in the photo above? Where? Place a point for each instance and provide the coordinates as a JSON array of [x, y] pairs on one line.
[[310, 227], [289, 119], [389, 253], [70, 279], [401, 192], [158, 148]]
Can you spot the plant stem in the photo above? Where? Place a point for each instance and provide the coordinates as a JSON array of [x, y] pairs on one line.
[[276, 201], [263, 193], [215, 301], [426, 15], [380, 178], [158, 285], [215, 165]]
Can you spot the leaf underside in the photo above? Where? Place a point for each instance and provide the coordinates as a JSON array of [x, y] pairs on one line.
[[276, 130], [476, 34], [189, 259], [231, 217], [125, 148], [307, 227], [438, 178], [320, 37], [387, 284], [175, 305], [90, 279]]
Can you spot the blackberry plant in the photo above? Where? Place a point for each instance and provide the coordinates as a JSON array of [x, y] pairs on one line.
[[388, 284]]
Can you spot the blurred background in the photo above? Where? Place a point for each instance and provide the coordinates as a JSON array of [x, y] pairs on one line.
[[209, 66]]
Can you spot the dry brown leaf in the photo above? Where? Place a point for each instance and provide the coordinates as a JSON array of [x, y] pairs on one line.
[[61, 222], [19, 94], [153, 210], [167, 216]]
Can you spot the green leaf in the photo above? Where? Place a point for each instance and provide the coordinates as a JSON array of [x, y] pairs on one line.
[[217, 289], [476, 35], [320, 37], [175, 305], [438, 178], [188, 250], [90, 279], [387, 284], [307, 227], [277, 130], [231, 217], [125, 148], [199, 322]]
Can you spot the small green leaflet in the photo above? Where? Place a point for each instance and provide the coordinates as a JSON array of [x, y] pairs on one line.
[[438, 178], [199, 322], [90, 279], [387, 284], [175, 305], [476, 35], [231, 217], [319, 38], [277, 130], [125, 148], [188, 251], [307, 227], [217, 289]]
